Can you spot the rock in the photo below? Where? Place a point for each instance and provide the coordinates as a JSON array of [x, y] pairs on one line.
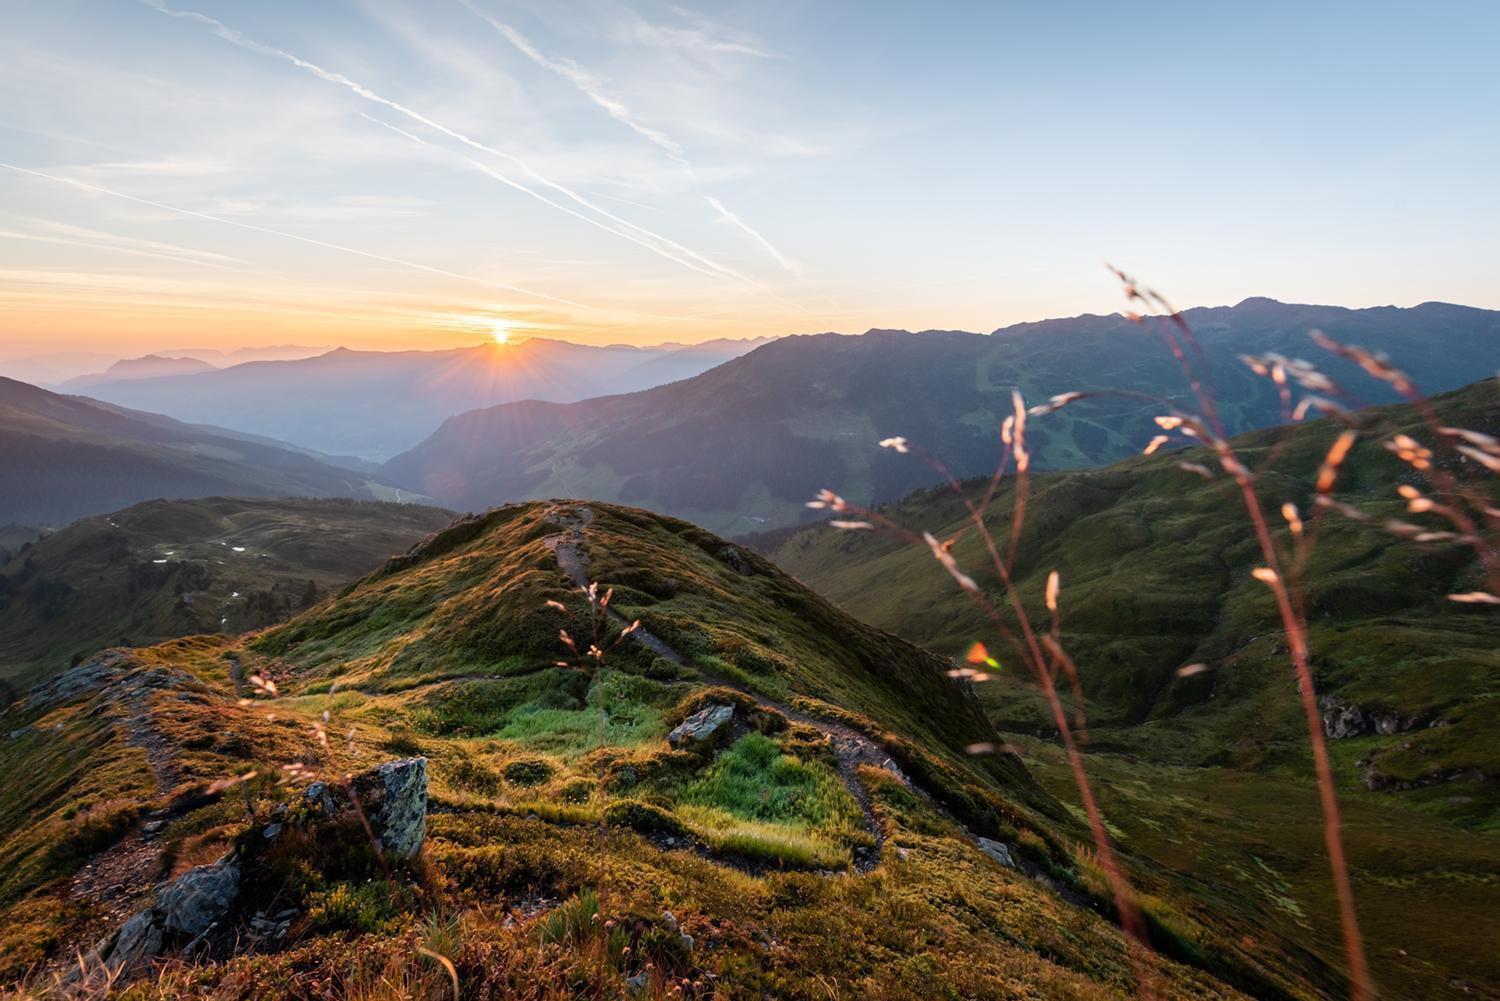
[[736, 561], [1393, 723], [392, 797], [1341, 719], [318, 795], [271, 831], [703, 727], [670, 920], [198, 898], [636, 983], [998, 851], [183, 911]]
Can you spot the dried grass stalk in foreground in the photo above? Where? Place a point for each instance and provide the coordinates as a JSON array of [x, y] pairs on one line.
[[1041, 653]]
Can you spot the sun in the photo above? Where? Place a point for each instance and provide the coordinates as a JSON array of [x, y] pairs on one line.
[[500, 332]]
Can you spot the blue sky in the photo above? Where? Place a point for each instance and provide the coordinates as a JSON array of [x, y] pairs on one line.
[[415, 174]]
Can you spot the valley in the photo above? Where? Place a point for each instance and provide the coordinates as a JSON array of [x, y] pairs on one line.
[[164, 569]]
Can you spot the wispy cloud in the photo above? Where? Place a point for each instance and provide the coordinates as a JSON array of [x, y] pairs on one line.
[[704, 38], [657, 243], [67, 233], [589, 84], [412, 265]]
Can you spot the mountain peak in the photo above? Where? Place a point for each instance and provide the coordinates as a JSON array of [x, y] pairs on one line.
[[1259, 302]]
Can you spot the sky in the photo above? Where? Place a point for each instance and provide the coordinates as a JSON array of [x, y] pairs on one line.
[[427, 173]]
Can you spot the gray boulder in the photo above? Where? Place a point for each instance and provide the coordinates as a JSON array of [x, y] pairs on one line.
[[401, 821], [199, 897], [182, 912], [999, 851], [703, 727], [393, 798]]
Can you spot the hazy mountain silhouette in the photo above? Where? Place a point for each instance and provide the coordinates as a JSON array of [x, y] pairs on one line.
[[743, 446], [376, 403], [64, 457], [144, 367]]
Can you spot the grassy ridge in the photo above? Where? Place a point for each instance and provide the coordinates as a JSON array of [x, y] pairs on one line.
[[450, 652]]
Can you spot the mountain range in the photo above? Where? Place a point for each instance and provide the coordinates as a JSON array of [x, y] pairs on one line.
[[750, 765], [374, 404], [144, 367], [1194, 725], [65, 457], [739, 448]]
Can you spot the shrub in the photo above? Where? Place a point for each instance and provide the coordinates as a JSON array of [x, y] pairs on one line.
[[528, 771]]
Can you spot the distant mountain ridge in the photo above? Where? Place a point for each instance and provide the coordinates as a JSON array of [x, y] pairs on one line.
[[65, 457], [144, 367], [374, 404], [740, 448]]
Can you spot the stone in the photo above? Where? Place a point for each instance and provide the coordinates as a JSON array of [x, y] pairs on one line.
[[999, 851], [318, 795], [403, 815], [140, 938], [394, 798], [198, 898], [1341, 719], [183, 910], [703, 727]]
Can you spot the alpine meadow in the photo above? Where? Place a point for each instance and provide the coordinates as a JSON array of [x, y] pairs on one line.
[[456, 544]]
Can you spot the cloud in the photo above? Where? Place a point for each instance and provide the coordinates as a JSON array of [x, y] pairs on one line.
[[589, 84], [658, 244], [706, 38], [412, 265], [67, 233]]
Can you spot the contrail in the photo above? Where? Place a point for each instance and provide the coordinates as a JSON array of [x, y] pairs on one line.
[[98, 189], [657, 241], [11, 234], [587, 83], [496, 175], [727, 216], [591, 87]]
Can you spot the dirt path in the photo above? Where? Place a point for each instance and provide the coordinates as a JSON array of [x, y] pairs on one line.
[[850, 747], [121, 878]]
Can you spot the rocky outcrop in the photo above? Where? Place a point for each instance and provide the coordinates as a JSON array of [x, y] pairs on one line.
[[183, 913], [392, 797], [703, 728], [198, 906], [1343, 719]]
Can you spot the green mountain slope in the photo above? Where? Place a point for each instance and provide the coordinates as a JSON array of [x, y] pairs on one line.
[[1155, 564], [1208, 774], [174, 568], [67, 457], [739, 448], [825, 844]]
